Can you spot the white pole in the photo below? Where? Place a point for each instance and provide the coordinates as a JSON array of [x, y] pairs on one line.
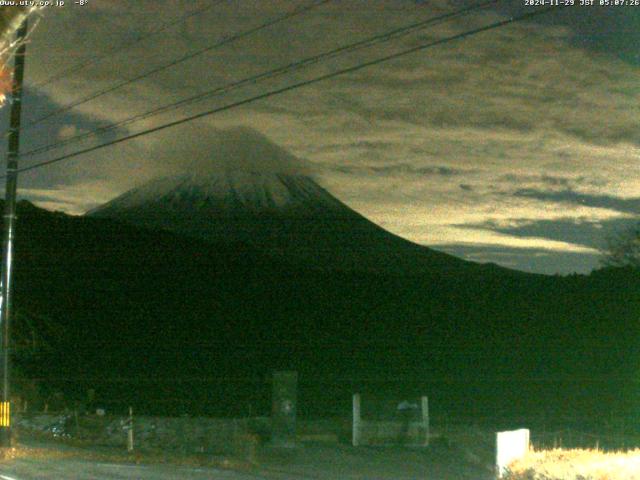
[[425, 419], [356, 420], [130, 431]]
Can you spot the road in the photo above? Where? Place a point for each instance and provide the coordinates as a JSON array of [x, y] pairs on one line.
[[469, 460], [323, 465], [67, 469]]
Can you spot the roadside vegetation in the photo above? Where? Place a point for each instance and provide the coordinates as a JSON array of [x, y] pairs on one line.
[[577, 464]]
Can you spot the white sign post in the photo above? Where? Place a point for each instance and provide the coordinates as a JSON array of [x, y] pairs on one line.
[[510, 446]]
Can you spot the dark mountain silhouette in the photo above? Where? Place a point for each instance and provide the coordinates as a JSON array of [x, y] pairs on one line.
[[257, 193], [284, 215], [185, 293], [167, 322]]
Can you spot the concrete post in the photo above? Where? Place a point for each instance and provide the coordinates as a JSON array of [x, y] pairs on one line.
[[425, 419], [283, 414], [130, 431], [356, 420]]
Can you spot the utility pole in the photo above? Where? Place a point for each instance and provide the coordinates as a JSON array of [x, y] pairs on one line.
[[9, 232]]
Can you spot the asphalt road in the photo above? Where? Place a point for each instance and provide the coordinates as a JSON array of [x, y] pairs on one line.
[[67, 469], [468, 459], [378, 466]]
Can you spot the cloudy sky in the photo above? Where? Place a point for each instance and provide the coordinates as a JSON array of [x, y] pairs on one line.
[[518, 145]]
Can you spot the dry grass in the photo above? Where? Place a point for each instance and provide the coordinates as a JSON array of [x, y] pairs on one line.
[[559, 464], [74, 450]]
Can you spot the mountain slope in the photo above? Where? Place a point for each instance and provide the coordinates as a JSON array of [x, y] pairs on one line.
[[241, 270], [156, 320], [285, 215], [253, 191]]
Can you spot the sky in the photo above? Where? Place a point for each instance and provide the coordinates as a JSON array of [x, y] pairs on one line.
[[517, 146]]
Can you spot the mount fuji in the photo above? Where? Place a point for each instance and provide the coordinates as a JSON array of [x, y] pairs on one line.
[[258, 197], [246, 265]]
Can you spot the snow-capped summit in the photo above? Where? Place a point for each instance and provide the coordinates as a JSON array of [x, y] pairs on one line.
[[229, 191]]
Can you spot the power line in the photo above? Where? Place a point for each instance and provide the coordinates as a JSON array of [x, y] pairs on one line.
[[125, 45], [370, 41], [225, 41], [294, 86], [324, 378]]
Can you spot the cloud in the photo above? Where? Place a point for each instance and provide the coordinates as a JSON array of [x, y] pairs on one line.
[[527, 259], [67, 198], [568, 196], [400, 169], [237, 148], [590, 234], [67, 131], [432, 146]]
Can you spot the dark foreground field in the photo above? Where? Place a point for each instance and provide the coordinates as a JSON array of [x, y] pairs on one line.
[[469, 458]]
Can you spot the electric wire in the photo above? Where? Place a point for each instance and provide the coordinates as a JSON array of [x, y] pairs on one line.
[[190, 55], [312, 60], [294, 86], [125, 45]]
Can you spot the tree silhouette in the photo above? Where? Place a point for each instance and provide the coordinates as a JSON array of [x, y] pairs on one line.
[[623, 249]]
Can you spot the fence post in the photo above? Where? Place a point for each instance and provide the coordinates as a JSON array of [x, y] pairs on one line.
[[284, 408], [76, 423], [355, 435], [425, 419], [130, 431]]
